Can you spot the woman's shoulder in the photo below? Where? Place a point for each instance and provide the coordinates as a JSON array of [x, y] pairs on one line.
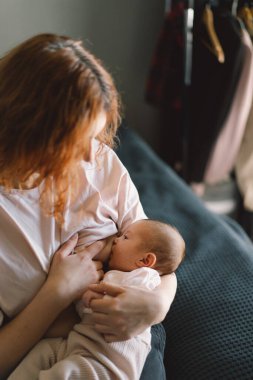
[[101, 149], [104, 158]]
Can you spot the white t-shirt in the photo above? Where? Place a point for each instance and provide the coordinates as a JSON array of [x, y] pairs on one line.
[[107, 201]]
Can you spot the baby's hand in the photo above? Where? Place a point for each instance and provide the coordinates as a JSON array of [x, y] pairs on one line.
[[90, 295]]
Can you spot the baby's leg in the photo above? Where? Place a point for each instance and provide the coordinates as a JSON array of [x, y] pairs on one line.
[[76, 367], [43, 356]]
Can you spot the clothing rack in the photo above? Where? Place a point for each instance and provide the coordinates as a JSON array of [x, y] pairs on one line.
[[188, 46]]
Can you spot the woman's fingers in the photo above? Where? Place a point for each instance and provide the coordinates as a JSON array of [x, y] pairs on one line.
[[106, 288], [100, 275], [110, 338], [91, 250], [98, 264], [68, 246], [88, 296]]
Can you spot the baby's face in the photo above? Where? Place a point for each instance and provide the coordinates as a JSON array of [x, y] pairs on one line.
[[126, 249]]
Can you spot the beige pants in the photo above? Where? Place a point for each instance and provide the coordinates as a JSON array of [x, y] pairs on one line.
[[85, 355]]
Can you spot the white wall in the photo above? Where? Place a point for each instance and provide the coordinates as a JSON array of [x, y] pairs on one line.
[[120, 32]]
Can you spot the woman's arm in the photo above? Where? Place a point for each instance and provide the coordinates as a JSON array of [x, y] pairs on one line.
[[63, 323], [61, 287], [131, 310], [19, 335], [165, 294]]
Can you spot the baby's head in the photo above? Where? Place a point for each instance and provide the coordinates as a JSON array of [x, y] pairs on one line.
[[148, 243]]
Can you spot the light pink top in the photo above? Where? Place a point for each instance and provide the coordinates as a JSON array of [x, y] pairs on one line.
[[224, 154], [107, 199], [145, 278], [244, 165]]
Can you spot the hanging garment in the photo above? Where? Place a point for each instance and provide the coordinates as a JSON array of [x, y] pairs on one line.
[[212, 90], [167, 62], [164, 84], [244, 165], [226, 148]]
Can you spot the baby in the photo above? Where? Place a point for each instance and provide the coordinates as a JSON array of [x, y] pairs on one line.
[[146, 250]]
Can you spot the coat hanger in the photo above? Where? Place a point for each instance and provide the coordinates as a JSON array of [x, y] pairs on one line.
[[215, 45], [245, 13]]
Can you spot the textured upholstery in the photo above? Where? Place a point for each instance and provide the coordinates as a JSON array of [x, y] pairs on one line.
[[209, 328]]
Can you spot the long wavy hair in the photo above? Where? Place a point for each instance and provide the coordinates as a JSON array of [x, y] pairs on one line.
[[51, 91]]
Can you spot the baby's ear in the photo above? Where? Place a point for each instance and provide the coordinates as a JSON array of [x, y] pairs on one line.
[[148, 260]]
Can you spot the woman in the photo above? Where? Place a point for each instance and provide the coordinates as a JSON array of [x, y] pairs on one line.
[[55, 99]]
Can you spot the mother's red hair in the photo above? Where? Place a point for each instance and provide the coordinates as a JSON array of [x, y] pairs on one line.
[[51, 91]]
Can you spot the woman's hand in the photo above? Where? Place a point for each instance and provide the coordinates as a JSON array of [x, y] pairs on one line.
[[71, 274], [129, 311], [89, 295], [104, 253], [124, 314]]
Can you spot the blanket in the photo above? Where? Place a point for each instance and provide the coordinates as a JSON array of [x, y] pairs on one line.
[[209, 328]]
